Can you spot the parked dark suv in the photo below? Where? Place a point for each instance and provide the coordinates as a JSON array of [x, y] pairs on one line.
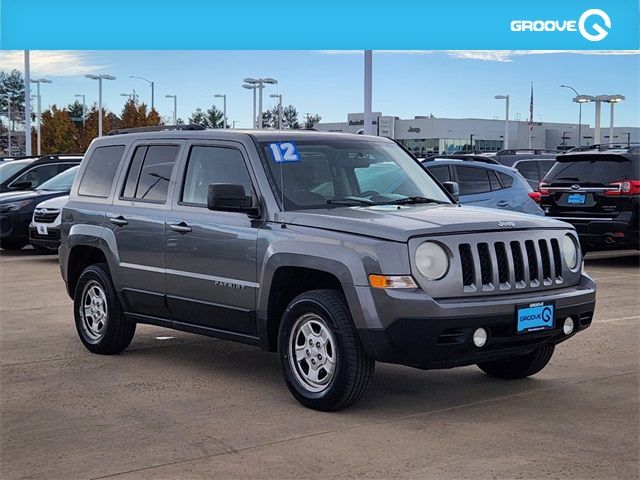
[[597, 189], [30, 173], [532, 164], [333, 250]]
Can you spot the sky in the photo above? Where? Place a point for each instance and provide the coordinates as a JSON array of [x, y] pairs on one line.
[[448, 84]]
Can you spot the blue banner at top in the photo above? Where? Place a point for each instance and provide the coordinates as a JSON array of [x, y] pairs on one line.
[[325, 24]]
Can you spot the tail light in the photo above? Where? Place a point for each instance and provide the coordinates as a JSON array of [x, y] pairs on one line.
[[542, 188], [623, 188], [535, 196]]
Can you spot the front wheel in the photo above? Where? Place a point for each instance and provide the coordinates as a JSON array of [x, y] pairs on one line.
[[99, 318], [323, 362], [521, 366]]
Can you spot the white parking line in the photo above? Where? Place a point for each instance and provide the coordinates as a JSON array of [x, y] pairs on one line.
[[621, 319]]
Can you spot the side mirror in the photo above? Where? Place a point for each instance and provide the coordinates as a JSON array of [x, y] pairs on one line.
[[227, 197], [453, 189], [27, 185]]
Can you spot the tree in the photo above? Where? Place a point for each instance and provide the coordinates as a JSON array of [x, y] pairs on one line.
[[289, 118], [110, 121], [134, 114], [76, 112], [210, 118], [154, 117], [310, 120], [59, 134], [12, 84]]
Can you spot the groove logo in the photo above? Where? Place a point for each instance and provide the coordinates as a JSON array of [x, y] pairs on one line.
[[594, 25]]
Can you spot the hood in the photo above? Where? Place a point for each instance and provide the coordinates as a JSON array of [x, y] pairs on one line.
[[56, 202], [400, 224]]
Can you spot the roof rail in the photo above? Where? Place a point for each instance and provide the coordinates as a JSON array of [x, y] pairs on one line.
[[604, 146], [535, 151], [156, 128]]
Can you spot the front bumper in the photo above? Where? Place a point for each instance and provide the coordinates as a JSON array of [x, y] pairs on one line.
[[51, 240], [427, 333]]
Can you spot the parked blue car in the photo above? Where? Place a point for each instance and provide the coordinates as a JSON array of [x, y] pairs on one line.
[[486, 184]]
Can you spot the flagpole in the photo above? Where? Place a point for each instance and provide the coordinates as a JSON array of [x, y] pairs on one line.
[[531, 116]]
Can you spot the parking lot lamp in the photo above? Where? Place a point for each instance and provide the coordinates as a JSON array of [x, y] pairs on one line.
[[279, 97], [259, 83], [39, 107], [175, 107], [99, 78], [152, 84], [252, 87], [613, 99], [506, 118], [224, 109], [579, 102]]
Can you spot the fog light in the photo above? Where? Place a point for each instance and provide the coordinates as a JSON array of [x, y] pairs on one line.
[[480, 337], [567, 328]]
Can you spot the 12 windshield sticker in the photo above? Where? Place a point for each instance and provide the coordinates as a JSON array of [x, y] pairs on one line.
[[285, 152]]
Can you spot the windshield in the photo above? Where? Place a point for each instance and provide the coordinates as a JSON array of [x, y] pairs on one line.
[[8, 169], [61, 182], [323, 173]]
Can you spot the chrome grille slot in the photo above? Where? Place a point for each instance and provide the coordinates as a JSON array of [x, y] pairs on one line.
[[45, 216]]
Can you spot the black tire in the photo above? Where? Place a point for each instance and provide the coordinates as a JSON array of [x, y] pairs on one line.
[[40, 250], [519, 367], [116, 333], [353, 366], [13, 244]]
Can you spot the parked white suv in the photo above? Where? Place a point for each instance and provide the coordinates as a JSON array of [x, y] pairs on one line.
[[44, 231]]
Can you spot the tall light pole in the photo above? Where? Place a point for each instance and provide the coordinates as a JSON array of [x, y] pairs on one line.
[[152, 84], [612, 99], [506, 118], [368, 86], [99, 78], [259, 83], [254, 88], [579, 112], [81, 95], [224, 109], [175, 107], [279, 97], [8, 121], [39, 107], [27, 104]]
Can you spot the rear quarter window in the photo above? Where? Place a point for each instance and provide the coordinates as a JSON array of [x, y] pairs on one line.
[[100, 171]]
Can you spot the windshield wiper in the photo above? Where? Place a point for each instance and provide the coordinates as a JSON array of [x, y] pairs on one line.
[[350, 201], [415, 200]]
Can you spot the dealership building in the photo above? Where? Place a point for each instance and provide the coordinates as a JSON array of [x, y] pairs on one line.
[[427, 135]]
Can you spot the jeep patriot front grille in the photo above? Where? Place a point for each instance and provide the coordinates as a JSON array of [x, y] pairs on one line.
[[509, 265]]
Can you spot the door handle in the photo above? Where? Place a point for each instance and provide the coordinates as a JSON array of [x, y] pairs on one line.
[[503, 203], [181, 227], [119, 221]]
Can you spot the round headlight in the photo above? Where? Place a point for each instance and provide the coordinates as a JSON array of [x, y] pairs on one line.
[[432, 260], [570, 251]]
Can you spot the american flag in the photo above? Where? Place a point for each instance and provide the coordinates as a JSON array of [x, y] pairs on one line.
[[531, 110]]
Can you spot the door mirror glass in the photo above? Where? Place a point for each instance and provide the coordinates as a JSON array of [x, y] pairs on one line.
[[453, 189], [228, 197]]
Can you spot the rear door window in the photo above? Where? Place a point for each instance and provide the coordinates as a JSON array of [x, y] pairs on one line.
[[100, 171], [473, 180], [149, 173]]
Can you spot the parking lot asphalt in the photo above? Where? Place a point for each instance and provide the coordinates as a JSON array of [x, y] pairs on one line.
[[176, 405]]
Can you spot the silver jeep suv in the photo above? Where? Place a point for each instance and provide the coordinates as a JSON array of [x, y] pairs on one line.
[[333, 250]]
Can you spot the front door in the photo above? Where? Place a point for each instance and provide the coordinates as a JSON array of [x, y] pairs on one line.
[[211, 276]]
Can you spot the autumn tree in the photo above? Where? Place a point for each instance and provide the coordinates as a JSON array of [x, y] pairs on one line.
[[210, 118], [59, 134], [109, 122], [153, 118]]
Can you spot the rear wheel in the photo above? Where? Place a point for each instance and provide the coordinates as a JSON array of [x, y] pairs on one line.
[[323, 362], [99, 318], [519, 367]]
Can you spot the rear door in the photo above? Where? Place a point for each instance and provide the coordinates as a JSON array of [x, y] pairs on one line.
[[587, 186], [476, 188], [137, 221]]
